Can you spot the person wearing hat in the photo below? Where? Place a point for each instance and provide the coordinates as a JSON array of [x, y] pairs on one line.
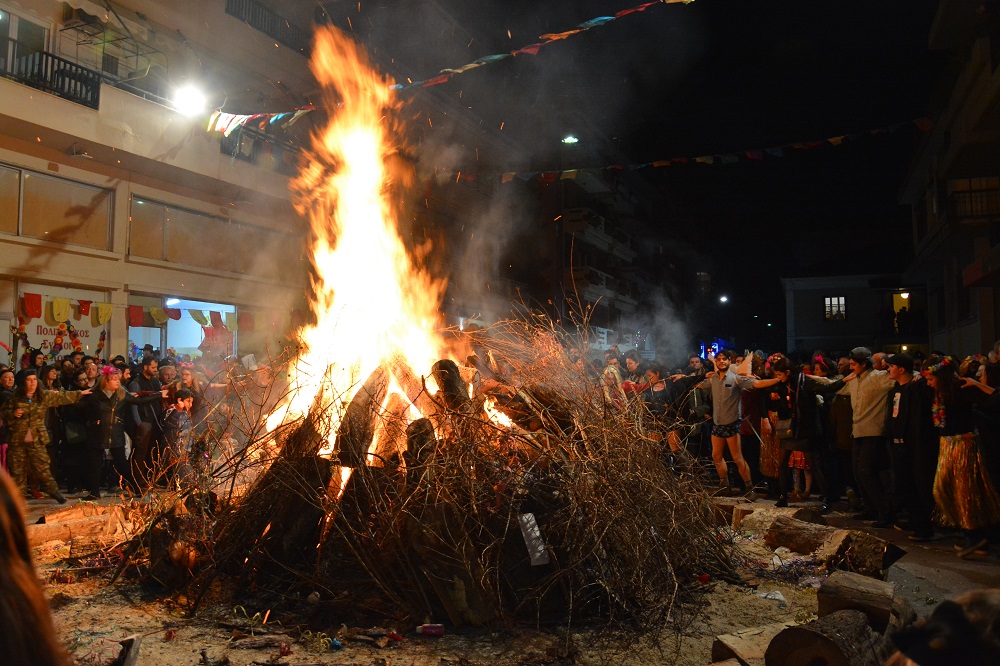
[[913, 449]]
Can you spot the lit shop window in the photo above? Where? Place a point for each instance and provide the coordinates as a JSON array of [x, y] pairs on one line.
[[835, 307]]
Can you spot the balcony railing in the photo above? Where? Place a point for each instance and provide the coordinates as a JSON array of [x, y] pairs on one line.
[[264, 19], [48, 72], [984, 203]]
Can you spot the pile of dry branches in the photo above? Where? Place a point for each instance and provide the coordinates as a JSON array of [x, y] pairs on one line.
[[564, 509]]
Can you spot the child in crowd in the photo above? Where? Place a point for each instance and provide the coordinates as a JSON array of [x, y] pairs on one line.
[[177, 427]]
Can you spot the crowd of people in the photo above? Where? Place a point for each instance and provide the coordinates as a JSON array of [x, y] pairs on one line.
[[82, 425], [906, 441]]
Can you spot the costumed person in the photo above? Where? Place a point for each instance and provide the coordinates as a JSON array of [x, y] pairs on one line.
[[104, 414], [6, 392], [24, 413], [963, 490], [27, 637]]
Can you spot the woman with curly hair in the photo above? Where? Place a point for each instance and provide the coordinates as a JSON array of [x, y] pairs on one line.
[[27, 637], [963, 491]]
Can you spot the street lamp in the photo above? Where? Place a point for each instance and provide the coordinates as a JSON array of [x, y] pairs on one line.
[[189, 101], [570, 139], [723, 299]]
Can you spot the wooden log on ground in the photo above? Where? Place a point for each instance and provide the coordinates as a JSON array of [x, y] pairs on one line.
[[724, 508], [746, 646], [64, 531], [842, 638], [850, 550], [797, 535], [877, 599], [75, 512], [759, 518]]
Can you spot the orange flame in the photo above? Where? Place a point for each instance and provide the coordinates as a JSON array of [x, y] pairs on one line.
[[370, 299]]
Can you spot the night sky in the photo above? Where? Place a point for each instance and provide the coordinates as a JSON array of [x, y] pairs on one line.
[[709, 78]]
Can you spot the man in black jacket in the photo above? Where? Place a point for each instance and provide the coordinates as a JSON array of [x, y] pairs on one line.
[[912, 445], [148, 441]]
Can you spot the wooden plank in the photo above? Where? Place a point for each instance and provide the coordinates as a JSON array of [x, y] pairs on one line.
[[75, 512], [747, 646], [64, 531], [760, 521]]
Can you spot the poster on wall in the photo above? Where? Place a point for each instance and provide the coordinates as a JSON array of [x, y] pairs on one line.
[[58, 324]]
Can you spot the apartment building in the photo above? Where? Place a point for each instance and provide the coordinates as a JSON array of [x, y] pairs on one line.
[[954, 186], [109, 194]]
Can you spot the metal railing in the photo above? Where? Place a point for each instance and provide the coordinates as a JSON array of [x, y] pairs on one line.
[[45, 71], [264, 19]]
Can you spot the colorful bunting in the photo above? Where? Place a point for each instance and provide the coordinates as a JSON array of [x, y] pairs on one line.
[[136, 315], [33, 306], [227, 123], [104, 311], [532, 49], [757, 155]]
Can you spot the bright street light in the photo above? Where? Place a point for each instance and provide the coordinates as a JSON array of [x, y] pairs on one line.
[[723, 299], [570, 139], [189, 101]]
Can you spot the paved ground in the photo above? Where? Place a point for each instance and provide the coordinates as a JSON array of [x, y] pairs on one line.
[[927, 574]]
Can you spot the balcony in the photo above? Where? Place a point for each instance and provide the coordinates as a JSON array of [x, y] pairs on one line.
[[590, 284], [977, 204], [593, 229], [262, 18], [55, 75]]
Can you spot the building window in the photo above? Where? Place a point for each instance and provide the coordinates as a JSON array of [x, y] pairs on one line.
[[63, 211], [176, 235], [835, 308]]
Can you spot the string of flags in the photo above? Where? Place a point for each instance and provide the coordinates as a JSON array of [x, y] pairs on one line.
[[924, 125], [227, 123], [32, 307], [532, 49]]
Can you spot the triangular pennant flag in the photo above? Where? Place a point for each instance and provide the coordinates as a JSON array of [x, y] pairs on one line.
[[199, 317], [836, 140], [729, 158], [60, 309], [568, 175], [661, 163], [775, 152], [529, 50], [435, 81], [32, 306], [173, 313], [507, 176], [232, 323], [216, 318], [705, 159], [556, 36], [85, 307], [136, 315], [158, 315], [246, 322], [755, 155], [104, 311]]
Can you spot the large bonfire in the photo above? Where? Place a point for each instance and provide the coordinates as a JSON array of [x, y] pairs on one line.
[[531, 496]]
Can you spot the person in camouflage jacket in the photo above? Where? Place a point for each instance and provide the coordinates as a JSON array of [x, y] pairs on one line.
[[24, 413]]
